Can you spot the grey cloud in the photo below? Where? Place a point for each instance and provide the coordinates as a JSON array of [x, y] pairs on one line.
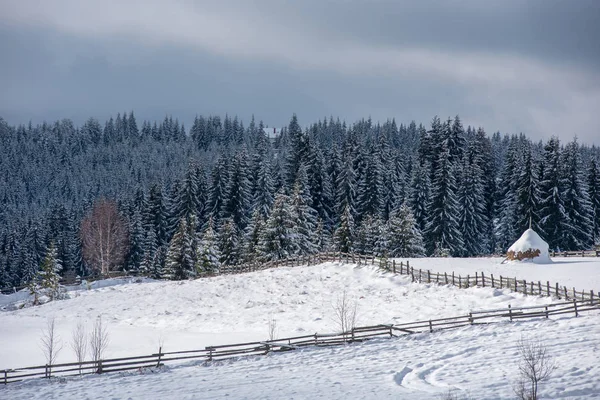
[[511, 66]]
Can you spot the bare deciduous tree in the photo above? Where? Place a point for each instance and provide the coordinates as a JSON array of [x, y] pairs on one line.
[[104, 237], [272, 328], [51, 343], [79, 343], [98, 340], [345, 312], [535, 367]]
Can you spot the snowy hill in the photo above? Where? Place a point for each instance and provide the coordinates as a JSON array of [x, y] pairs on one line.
[[229, 309]]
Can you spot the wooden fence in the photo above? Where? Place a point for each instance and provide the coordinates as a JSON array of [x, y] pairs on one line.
[[357, 334]]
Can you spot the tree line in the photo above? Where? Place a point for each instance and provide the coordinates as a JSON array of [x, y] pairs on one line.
[[183, 202]]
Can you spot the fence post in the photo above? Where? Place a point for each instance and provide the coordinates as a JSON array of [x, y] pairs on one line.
[[420, 276], [575, 305], [430, 327], [412, 274], [540, 287], [468, 279], [446, 278], [453, 279], [5, 377], [47, 372], [566, 293], [394, 266], [471, 318], [546, 308], [315, 338], [531, 291], [159, 355], [525, 287], [482, 279], [509, 313], [492, 276], [460, 281], [516, 285], [575, 294], [591, 297], [476, 278], [428, 276], [557, 294], [500, 281], [99, 366]]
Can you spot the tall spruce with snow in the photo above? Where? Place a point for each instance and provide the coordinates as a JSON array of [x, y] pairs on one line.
[[209, 254], [296, 150], [528, 195], [404, 239], [368, 236], [578, 209], [319, 184], [262, 182], [277, 239], [346, 187], [252, 236], [304, 217], [593, 182], [344, 234], [370, 189], [218, 191], [48, 277], [238, 201], [506, 204], [443, 229], [471, 199], [229, 242], [182, 255], [554, 219], [419, 194]]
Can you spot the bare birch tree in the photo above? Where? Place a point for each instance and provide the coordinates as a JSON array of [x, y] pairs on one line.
[[50, 342], [104, 237], [98, 340], [79, 343], [345, 312]]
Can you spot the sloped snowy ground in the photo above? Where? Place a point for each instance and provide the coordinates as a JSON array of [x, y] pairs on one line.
[[229, 309]]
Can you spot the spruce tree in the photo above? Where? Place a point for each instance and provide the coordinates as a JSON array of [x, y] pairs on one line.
[[181, 259], [404, 239], [228, 243], [593, 182], [344, 234], [577, 233], [252, 236], [210, 256], [48, 275], [277, 239], [443, 230]]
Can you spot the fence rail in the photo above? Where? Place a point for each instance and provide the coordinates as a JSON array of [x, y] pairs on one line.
[[357, 334]]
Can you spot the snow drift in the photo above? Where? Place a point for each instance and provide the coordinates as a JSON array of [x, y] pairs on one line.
[[529, 247]]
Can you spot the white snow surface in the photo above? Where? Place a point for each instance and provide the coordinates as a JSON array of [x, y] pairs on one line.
[[229, 309], [530, 240]]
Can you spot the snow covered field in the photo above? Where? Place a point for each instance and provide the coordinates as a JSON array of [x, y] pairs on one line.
[[229, 309], [583, 273]]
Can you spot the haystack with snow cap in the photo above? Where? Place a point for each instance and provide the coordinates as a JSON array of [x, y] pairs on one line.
[[529, 247]]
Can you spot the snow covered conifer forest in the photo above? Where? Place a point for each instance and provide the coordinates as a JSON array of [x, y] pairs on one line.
[[180, 202]]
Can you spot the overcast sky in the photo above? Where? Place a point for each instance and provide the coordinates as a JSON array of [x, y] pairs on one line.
[[511, 65]]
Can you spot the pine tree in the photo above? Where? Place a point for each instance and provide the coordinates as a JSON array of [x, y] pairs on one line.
[[344, 234], [228, 243], [419, 195], [252, 236], [48, 276], [238, 201], [209, 252], [506, 226], [262, 189], [404, 238], [367, 236], [135, 255], [528, 194], [443, 230], [553, 218], [277, 239], [593, 182], [471, 199], [577, 233], [304, 217], [181, 257]]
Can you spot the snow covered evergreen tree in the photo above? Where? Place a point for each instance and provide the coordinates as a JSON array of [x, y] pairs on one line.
[[277, 239], [238, 200], [528, 194], [344, 234], [577, 233], [443, 230], [304, 217], [228, 242], [404, 239], [182, 256], [252, 236], [209, 254], [593, 182]]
